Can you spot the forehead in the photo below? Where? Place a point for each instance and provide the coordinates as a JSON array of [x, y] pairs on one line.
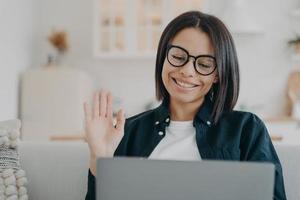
[[194, 40]]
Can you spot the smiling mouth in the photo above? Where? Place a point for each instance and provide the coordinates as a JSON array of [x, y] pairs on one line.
[[183, 84]]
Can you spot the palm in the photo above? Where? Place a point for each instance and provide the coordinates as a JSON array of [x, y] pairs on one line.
[[102, 137]]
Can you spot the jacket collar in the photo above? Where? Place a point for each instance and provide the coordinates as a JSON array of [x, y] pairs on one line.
[[162, 112], [205, 112]]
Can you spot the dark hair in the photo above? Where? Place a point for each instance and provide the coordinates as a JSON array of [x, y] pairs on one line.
[[224, 93]]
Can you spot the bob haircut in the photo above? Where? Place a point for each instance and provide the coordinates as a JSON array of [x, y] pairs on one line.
[[224, 93]]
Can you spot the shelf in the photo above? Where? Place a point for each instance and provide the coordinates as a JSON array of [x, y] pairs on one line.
[[133, 27], [68, 137]]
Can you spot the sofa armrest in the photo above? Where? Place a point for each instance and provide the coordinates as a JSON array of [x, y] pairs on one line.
[[55, 170]]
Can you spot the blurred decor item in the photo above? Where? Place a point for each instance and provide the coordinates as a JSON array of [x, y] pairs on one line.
[[51, 102], [59, 40], [293, 93], [295, 43]]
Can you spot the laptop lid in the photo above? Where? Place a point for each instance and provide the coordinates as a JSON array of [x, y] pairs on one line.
[[145, 179]]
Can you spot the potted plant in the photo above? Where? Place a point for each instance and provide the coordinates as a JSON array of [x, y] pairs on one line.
[[59, 40], [295, 43]]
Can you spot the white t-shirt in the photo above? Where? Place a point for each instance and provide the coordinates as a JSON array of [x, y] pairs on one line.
[[179, 143]]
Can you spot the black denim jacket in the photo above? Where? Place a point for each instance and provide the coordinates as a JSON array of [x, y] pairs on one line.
[[239, 136]]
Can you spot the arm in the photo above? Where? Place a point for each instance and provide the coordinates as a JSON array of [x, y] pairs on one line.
[[91, 191], [101, 134], [256, 145]]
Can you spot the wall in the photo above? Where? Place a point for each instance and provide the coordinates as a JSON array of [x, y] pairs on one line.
[[264, 58], [16, 50]]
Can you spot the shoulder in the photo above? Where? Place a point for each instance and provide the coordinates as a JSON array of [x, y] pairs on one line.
[[242, 118], [245, 124], [251, 128]]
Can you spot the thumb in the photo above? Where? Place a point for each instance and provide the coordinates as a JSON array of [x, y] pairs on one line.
[[120, 121]]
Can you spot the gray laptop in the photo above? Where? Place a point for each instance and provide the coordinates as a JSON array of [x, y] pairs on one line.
[[145, 179]]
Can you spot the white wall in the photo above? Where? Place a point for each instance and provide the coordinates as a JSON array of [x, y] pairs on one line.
[[264, 58], [16, 49]]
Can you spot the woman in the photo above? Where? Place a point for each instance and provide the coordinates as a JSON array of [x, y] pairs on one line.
[[197, 79]]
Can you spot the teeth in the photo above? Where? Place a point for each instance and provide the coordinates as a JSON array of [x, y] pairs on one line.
[[186, 85]]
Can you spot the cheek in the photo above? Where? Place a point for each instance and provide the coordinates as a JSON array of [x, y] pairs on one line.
[[166, 71], [164, 75], [208, 83], [209, 80], [207, 87]]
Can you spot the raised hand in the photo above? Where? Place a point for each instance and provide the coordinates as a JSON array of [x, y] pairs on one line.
[[102, 136]]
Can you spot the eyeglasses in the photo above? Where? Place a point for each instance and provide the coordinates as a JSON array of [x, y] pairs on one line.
[[203, 64]]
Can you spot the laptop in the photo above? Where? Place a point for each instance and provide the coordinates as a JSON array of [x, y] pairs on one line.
[[122, 178]]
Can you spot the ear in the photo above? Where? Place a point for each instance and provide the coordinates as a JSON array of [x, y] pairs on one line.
[[216, 79]]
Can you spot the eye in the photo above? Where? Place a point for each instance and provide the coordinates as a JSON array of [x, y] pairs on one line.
[[205, 62], [179, 58], [204, 65]]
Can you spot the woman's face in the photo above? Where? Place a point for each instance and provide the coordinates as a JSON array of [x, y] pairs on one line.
[[184, 84]]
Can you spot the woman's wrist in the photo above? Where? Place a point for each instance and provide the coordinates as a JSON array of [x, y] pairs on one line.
[[93, 161]]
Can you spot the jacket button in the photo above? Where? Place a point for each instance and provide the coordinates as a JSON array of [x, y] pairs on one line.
[[167, 120], [157, 122], [208, 123], [160, 133]]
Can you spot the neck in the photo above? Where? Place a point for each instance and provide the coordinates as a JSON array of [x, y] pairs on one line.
[[180, 111]]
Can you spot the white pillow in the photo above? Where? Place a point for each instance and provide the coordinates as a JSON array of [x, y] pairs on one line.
[[13, 179]]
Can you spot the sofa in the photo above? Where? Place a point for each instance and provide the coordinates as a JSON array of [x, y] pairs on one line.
[[55, 170], [58, 170]]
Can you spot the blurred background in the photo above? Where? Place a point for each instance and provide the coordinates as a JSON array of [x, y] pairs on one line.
[[55, 53]]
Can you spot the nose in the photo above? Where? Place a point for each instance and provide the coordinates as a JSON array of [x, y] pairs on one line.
[[188, 69]]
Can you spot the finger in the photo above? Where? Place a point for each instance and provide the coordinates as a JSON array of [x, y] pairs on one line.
[[87, 111], [103, 103], [120, 121], [109, 111], [96, 105]]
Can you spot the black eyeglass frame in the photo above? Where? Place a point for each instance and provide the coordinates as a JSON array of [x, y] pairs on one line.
[[188, 59]]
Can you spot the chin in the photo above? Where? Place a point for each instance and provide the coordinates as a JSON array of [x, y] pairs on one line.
[[186, 99]]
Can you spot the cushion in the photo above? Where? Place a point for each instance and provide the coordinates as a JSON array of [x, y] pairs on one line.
[[13, 179]]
